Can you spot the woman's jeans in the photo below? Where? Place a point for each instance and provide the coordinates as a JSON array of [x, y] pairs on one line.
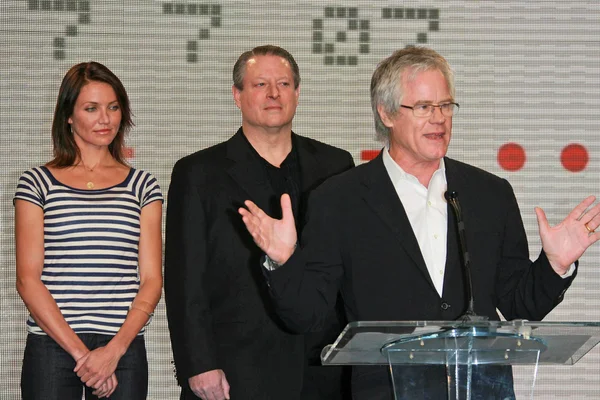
[[48, 370]]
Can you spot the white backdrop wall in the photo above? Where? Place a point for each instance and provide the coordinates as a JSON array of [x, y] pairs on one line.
[[527, 73]]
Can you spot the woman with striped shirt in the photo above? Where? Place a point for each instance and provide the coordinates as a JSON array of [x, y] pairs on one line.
[[89, 249]]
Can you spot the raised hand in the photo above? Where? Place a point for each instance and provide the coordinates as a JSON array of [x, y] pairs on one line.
[[567, 241], [210, 385], [277, 238]]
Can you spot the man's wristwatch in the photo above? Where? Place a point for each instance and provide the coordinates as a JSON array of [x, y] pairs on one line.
[[271, 265]]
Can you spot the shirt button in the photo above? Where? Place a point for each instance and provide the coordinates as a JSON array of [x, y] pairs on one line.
[[435, 236], [429, 203]]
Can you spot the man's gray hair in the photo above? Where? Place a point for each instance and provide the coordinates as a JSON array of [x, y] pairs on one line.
[[386, 83]]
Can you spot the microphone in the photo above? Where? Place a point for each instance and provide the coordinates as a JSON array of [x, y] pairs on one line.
[[469, 315]]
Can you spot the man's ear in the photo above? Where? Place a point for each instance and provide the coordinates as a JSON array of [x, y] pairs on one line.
[[387, 121], [236, 95]]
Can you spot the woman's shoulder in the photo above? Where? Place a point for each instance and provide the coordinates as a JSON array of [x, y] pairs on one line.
[[142, 176], [145, 184], [36, 175], [33, 185], [42, 169]]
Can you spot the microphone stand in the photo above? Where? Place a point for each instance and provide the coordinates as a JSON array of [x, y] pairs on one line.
[[469, 315]]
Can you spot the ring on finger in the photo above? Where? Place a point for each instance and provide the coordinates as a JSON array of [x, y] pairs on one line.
[[590, 230]]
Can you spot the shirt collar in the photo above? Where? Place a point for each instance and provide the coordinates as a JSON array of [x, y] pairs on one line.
[[290, 159], [397, 174]]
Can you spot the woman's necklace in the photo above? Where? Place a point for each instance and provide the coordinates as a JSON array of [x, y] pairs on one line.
[[90, 183]]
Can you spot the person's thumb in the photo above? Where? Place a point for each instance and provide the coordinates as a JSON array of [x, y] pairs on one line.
[[286, 208], [542, 220]]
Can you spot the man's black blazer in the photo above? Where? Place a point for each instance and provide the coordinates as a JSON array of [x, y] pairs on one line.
[[358, 239], [219, 311]]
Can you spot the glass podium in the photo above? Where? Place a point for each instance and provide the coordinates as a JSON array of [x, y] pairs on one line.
[[462, 350]]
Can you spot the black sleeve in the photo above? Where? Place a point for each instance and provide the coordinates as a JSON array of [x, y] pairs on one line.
[[188, 312], [305, 288]]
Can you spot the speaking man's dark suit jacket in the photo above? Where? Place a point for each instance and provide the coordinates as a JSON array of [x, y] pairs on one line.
[[219, 311], [358, 239]]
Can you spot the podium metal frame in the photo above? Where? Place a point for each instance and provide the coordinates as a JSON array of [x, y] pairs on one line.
[[461, 346]]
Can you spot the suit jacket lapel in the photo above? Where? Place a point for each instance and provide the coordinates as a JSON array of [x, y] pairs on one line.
[[380, 195], [310, 175], [247, 171], [454, 273], [310, 170]]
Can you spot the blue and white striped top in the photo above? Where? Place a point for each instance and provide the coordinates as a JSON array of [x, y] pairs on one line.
[[91, 242]]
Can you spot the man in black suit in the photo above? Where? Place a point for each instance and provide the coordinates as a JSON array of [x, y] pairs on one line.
[[227, 341], [382, 233]]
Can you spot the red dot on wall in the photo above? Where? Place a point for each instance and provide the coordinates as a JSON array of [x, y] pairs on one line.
[[129, 152], [511, 156], [574, 157]]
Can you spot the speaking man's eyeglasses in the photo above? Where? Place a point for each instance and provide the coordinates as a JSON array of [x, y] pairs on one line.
[[426, 110]]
